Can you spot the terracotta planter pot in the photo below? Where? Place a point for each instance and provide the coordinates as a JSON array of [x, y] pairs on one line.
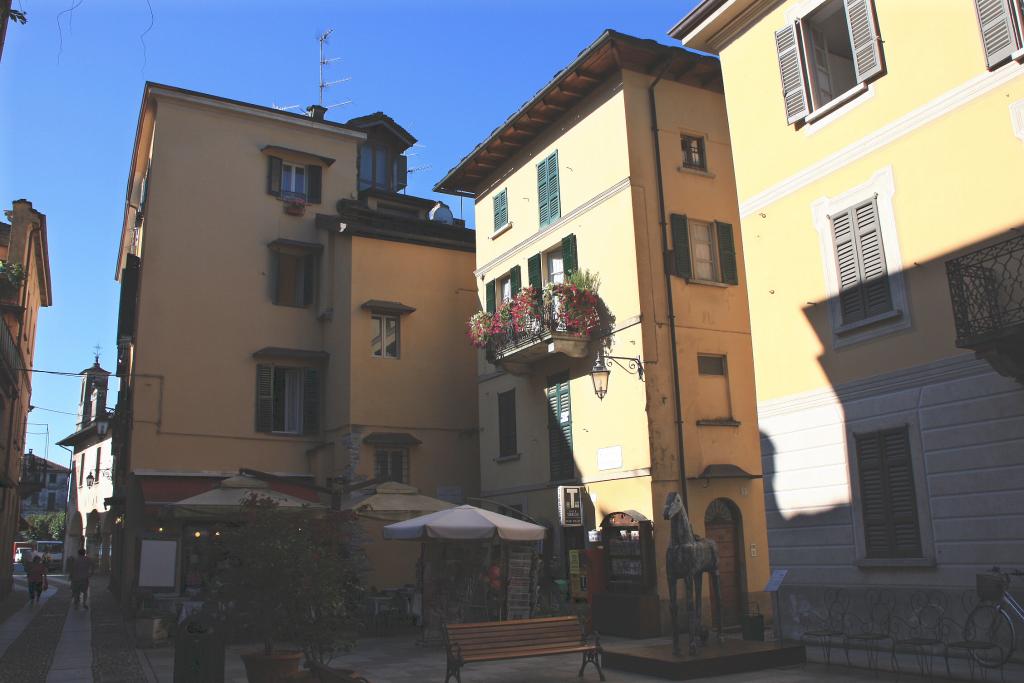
[[272, 668]]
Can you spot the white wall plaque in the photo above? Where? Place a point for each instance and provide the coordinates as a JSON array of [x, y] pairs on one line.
[[609, 458]]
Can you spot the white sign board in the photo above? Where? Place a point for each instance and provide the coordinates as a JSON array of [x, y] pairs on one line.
[[609, 458], [778, 576], [158, 564]]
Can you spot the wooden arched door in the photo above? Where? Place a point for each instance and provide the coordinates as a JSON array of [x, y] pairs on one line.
[[722, 524]]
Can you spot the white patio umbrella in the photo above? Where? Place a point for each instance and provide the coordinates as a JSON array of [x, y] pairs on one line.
[[231, 493], [464, 523], [394, 502]]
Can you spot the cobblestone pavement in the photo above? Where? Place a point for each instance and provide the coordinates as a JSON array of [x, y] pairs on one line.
[[114, 658], [28, 656]]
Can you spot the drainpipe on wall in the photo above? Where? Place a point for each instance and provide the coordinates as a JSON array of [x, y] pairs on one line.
[[663, 225]]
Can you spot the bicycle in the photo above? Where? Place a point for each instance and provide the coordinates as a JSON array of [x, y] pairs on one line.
[[992, 620]]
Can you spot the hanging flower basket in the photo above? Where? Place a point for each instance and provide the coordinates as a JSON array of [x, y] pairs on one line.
[[294, 207]]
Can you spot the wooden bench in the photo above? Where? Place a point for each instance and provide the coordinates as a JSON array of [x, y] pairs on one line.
[[496, 640]]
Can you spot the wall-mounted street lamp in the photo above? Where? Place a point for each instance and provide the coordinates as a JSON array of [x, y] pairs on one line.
[[90, 480], [601, 372], [102, 424]]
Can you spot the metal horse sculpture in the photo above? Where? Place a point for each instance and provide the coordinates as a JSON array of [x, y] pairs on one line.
[[687, 558]]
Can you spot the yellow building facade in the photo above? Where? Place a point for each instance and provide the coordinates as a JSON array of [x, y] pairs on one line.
[[285, 311], [575, 181], [877, 145]]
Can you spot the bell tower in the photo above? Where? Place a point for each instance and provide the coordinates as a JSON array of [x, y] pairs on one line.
[[93, 401]]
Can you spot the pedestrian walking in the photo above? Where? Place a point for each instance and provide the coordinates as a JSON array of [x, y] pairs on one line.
[[37, 581], [81, 572]]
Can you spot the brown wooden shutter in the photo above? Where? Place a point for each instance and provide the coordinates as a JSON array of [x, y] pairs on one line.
[[791, 68], [867, 46], [274, 176], [308, 279], [272, 276], [264, 398], [727, 253], [888, 497], [314, 182], [681, 246], [310, 401], [401, 172], [995, 18]]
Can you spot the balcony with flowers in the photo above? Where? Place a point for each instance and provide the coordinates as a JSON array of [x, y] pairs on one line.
[[534, 324]]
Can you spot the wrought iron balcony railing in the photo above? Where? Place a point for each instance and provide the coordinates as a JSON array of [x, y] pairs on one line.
[[536, 331], [987, 290]]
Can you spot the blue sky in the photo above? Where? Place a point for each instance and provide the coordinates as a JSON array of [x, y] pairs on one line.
[[71, 83]]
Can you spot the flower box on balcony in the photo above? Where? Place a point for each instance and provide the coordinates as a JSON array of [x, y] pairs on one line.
[[533, 325], [294, 207]]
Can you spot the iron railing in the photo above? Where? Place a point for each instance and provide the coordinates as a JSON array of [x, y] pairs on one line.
[[987, 290], [537, 329]]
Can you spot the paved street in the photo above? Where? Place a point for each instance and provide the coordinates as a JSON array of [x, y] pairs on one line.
[[53, 643]]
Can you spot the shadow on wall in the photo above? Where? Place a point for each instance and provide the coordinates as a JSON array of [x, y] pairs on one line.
[[906, 472]]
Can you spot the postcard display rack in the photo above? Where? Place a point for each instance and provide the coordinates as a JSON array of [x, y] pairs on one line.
[[630, 605]]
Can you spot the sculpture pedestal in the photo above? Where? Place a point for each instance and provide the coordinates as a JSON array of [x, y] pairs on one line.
[[730, 657]]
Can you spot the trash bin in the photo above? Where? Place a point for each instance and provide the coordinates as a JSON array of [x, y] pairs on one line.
[[199, 652], [753, 623]]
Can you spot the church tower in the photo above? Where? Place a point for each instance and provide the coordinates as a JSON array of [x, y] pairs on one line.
[[93, 401]]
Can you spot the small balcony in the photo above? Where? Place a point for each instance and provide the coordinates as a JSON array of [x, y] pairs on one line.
[[535, 325], [517, 349], [987, 290]]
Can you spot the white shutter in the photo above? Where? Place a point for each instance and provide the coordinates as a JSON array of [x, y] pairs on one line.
[[851, 302], [996, 20], [867, 46], [871, 254], [791, 68]]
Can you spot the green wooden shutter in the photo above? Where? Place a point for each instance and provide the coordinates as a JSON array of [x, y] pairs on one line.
[[871, 253], [308, 279], [401, 172], [888, 498], [681, 245], [791, 67], [542, 193], [867, 46], [264, 398], [490, 297], [500, 209], [515, 277], [533, 272], [997, 36], [554, 194], [562, 465], [507, 423], [314, 181], [727, 254], [274, 176], [310, 401], [570, 263]]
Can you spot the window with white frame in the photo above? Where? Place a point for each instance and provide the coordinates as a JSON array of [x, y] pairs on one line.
[[384, 343], [1002, 30], [505, 288], [293, 181], [827, 53], [556, 266], [704, 251]]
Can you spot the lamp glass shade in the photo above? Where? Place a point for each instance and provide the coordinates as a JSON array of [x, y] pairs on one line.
[[102, 426], [600, 375], [90, 479]]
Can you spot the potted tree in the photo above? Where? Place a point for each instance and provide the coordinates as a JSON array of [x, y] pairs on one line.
[[292, 578]]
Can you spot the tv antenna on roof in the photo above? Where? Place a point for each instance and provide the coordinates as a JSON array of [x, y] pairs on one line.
[[327, 61]]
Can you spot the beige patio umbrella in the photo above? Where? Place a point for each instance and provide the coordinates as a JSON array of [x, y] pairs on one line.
[[394, 502], [229, 495], [464, 523]]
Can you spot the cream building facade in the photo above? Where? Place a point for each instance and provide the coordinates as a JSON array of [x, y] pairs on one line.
[[575, 181], [285, 311], [876, 146]]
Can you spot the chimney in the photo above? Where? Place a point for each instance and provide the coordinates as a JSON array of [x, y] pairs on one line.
[[316, 112]]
